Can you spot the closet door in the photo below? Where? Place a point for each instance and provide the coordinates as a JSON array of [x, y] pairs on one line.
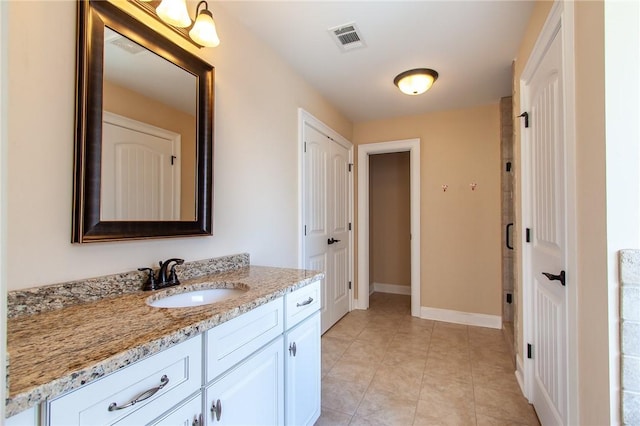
[[326, 216]]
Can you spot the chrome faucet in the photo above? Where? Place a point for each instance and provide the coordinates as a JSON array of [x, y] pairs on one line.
[[163, 279]]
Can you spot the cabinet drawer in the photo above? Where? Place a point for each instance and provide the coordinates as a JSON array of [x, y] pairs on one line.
[[302, 303], [182, 366], [234, 340]]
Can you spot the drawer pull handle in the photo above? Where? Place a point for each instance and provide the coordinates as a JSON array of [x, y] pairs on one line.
[[305, 303], [216, 410], [141, 397], [293, 349]]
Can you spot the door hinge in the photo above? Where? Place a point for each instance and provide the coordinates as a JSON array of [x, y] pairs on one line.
[[305, 230], [349, 285], [526, 119], [350, 166], [528, 235], [349, 226], [529, 351], [173, 158], [305, 146]]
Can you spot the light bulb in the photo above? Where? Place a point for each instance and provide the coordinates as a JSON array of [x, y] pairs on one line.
[[415, 82], [174, 12], [204, 30]]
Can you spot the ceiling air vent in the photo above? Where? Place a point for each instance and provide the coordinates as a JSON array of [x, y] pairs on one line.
[[127, 45], [347, 37]]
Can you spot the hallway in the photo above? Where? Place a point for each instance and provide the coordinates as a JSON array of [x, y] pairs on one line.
[[384, 367]]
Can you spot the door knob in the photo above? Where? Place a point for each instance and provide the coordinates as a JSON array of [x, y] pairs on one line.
[[332, 240], [560, 277]]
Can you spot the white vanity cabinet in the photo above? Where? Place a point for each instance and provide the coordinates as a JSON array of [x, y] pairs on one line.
[[136, 394], [260, 368], [303, 357], [187, 414], [252, 393], [303, 372], [26, 418], [246, 378]]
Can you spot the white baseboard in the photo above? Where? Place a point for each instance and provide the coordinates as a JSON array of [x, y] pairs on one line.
[[391, 288], [458, 317], [520, 374]]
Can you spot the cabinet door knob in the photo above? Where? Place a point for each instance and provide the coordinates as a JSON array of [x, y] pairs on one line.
[[197, 421], [216, 410], [140, 397]]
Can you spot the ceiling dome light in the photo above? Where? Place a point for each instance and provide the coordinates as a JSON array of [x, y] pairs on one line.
[[204, 29], [416, 81], [174, 12]]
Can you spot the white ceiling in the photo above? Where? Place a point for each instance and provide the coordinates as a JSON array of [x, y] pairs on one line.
[[471, 44]]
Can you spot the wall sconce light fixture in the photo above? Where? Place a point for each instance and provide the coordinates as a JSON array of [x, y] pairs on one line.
[[416, 81], [175, 14], [204, 29]]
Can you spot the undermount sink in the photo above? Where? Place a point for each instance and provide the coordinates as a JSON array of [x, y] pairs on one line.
[[199, 297]]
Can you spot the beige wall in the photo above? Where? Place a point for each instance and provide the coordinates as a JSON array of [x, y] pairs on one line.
[[593, 315], [125, 102], [460, 241], [592, 333], [257, 97], [389, 219]]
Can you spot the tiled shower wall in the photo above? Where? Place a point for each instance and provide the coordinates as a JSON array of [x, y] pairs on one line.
[[630, 335], [508, 215]]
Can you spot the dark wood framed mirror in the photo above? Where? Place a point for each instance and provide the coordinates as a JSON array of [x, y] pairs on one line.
[[154, 178]]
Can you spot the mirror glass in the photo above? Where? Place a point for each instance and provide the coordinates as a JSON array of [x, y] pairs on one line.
[[144, 132], [148, 135]]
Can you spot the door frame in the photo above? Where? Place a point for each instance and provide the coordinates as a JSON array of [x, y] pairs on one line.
[[560, 21], [364, 150], [4, 143], [305, 118]]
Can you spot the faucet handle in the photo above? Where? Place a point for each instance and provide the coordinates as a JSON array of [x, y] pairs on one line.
[[150, 284], [173, 275]]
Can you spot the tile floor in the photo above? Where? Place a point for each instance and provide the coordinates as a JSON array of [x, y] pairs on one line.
[[384, 367]]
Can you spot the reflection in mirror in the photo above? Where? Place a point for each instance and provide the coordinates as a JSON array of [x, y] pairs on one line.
[[148, 135], [143, 102]]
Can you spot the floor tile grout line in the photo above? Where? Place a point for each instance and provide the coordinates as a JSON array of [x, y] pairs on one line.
[[473, 380]]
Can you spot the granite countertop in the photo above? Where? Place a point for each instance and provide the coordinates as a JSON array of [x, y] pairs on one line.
[[59, 350]]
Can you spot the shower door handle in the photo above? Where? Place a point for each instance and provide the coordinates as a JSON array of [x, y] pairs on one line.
[[508, 236]]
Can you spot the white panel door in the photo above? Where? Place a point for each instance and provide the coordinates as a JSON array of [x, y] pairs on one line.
[[326, 218], [548, 237], [140, 172]]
